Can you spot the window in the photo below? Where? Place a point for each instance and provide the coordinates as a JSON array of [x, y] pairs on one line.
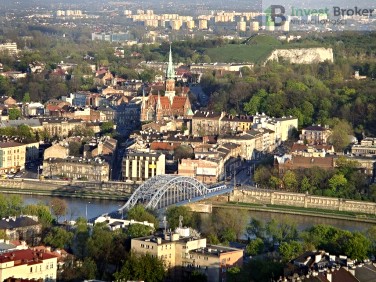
[[31, 269]]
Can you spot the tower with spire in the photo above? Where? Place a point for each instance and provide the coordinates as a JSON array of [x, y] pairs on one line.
[[170, 79]]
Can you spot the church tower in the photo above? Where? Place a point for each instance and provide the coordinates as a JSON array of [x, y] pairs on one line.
[[170, 79], [144, 109], [158, 109]]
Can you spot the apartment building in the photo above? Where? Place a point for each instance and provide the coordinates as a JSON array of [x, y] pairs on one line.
[[283, 127], [367, 147], [184, 253], [140, 166], [95, 169], [28, 264], [316, 134], [12, 156], [60, 127]]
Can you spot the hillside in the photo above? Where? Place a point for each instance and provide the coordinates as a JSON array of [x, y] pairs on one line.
[[256, 50]]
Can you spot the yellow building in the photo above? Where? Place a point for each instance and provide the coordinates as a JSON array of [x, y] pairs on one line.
[[28, 264], [203, 24], [12, 156], [184, 253], [140, 166]]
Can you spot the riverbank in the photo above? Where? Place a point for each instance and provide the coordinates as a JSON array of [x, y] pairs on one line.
[[69, 193], [352, 216]]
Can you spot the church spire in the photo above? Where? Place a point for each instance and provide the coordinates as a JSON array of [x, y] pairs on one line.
[[159, 109], [170, 73]]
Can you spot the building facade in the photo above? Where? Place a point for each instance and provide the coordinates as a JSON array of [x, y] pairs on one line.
[[316, 134], [77, 168], [183, 253], [28, 264], [140, 166]]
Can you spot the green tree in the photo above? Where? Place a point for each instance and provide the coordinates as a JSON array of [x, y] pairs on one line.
[[107, 127], [142, 267], [255, 247], [356, 246], [173, 213], [58, 237], [139, 213], [88, 270], [40, 210], [75, 148], [138, 230], [14, 113], [340, 134], [229, 223], [262, 175], [197, 276], [289, 250], [289, 180], [100, 246], [81, 236], [233, 273], [337, 182], [256, 228], [26, 98]]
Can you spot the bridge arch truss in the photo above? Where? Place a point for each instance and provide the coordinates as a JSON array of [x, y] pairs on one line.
[[165, 190]]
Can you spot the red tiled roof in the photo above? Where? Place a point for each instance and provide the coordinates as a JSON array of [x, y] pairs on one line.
[[321, 162], [178, 102], [52, 108], [165, 102], [163, 146], [25, 257]]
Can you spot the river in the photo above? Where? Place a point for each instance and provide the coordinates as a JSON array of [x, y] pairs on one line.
[[92, 208], [87, 208]]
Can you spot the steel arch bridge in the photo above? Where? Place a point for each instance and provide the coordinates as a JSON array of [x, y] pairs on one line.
[[165, 190]]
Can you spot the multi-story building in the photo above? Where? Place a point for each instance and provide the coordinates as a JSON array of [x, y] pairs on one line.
[[315, 134], [208, 170], [367, 147], [95, 169], [140, 166], [60, 127], [311, 150], [232, 124], [26, 228], [283, 127], [253, 143], [28, 264], [184, 253], [10, 47], [12, 156], [206, 123]]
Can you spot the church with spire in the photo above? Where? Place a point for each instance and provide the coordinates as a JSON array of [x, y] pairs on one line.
[[156, 107]]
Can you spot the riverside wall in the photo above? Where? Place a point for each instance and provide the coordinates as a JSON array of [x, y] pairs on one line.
[[268, 197], [67, 186]]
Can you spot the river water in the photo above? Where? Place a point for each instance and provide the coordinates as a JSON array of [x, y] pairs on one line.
[[91, 208], [87, 208]]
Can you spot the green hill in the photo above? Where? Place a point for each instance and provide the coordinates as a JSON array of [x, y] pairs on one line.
[[256, 50]]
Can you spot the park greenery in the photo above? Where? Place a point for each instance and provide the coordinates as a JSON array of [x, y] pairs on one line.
[[344, 181]]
